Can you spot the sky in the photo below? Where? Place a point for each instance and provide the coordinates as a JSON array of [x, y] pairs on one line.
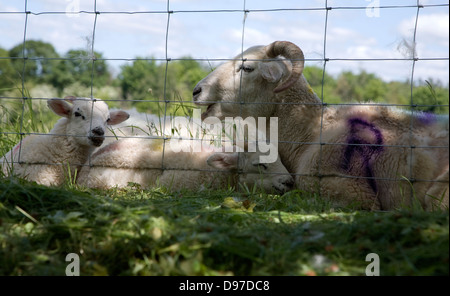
[[212, 30]]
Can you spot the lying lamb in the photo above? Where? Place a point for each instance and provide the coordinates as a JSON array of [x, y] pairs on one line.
[[141, 161], [45, 159], [376, 156]]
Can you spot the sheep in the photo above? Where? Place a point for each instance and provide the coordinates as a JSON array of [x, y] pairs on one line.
[[138, 125], [46, 159], [145, 162], [375, 156]]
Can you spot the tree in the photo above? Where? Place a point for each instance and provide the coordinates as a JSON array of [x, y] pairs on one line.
[[182, 77], [40, 59], [316, 78], [8, 76], [431, 97], [140, 80], [374, 90], [144, 79], [362, 87], [347, 87], [77, 66], [398, 92]]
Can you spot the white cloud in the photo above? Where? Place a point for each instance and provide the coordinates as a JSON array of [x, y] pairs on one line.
[[432, 29], [432, 41], [62, 32], [252, 36], [339, 33]]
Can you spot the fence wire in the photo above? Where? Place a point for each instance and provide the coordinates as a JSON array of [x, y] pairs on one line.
[[244, 11]]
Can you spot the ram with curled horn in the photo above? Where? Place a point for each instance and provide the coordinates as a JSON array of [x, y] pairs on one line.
[[359, 154]]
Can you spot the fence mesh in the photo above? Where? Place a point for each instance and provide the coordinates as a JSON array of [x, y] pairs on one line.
[[237, 16]]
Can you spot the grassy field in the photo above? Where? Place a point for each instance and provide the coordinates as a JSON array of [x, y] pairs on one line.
[[155, 232]]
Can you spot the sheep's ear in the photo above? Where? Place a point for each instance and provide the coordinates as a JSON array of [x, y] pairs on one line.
[[70, 99], [116, 117], [271, 71], [60, 107], [227, 161]]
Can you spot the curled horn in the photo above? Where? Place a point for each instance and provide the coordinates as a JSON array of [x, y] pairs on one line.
[[292, 52]]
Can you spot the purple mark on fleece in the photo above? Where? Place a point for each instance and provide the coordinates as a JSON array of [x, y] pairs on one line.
[[16, 148], [360, 130], [426, 118]]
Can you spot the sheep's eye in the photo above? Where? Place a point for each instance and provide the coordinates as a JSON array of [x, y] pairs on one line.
[[246, 68], [108, 120], [78, 114]]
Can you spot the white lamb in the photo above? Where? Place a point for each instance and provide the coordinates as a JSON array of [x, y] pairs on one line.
[[143, 161], [376, 156], [46, 159]]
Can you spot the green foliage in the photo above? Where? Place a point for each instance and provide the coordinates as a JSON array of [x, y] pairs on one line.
[[136, 79], [363, 87], [166, 87], [428, 95], [431, 96], [7, 72], [327, 92], [157, 232], [77, 67], [147, 80], [18, 117], [39, 63]]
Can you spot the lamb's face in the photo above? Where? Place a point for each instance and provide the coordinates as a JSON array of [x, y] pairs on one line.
[[87, 119], [270, 177], [88, 122], [233, 87]]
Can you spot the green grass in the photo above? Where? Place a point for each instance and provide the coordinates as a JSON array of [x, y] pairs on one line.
[[156, 232]]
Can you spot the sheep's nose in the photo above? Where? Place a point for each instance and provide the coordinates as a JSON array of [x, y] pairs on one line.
[[98, 131], [197, 91], [97, 136]]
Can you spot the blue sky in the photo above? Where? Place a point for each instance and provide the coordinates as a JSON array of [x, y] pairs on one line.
[[351, 33]]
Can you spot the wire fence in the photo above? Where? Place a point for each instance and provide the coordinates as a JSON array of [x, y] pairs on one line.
[[327, 9]]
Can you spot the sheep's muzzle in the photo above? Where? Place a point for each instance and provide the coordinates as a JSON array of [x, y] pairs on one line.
[[97, 136]]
